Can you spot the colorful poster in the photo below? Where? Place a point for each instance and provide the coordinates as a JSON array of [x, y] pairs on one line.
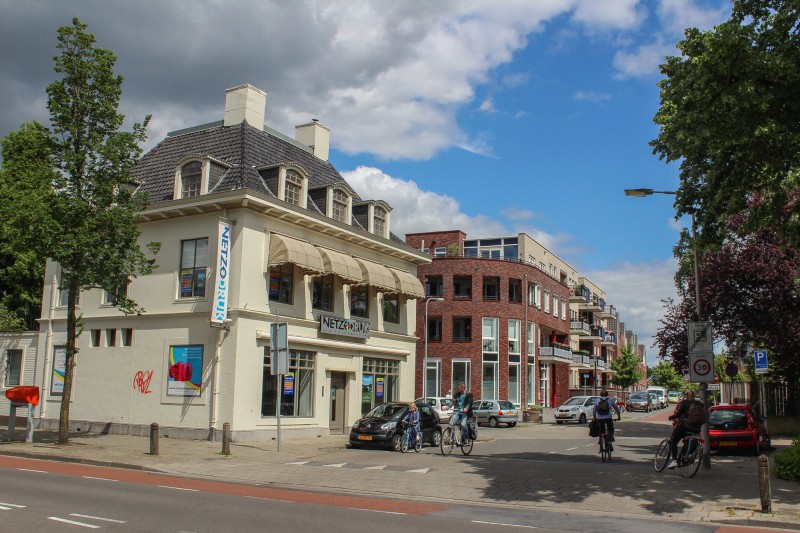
[[379, 387], [288, 384], [185, 370], [59, 370]]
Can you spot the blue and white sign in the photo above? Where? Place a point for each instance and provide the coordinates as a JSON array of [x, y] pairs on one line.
[[761, 360], [220, 310]]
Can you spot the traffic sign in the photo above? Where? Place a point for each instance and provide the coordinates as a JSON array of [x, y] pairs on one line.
[[762, 361], [713, 386], [731, 370], [701, 367], [701, 339]]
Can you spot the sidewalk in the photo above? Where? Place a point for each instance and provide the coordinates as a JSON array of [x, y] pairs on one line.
[[725, 494]]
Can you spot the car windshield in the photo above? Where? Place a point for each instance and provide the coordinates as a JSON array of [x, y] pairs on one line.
[[576, 400], [638, 396], [727, 419], [447, 403], [506, 405], [387, 410], [656, 392]]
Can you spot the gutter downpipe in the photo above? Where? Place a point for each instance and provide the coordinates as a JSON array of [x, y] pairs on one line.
[[47, 349]]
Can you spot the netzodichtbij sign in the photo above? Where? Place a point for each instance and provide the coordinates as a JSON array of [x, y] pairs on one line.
[[343, 326]]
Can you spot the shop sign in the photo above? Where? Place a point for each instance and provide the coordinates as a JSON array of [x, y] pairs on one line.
[[343, 326]]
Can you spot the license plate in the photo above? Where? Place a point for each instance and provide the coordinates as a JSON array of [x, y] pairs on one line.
[[365, 437], [559, 415], [727, 443], [510, 413]]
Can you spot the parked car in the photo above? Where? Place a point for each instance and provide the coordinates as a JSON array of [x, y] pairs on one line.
[[661, 395], [639, 401], [576, 409], [443, 407], [381, 426], [733, 427], [674, 396], [654, 400], [495, 412]]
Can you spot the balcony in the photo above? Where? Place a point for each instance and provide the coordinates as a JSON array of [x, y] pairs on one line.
[[609, 339], [595, 333], [555, 353], [594, 304], [580, 295], [578, 327], [582, 360], [609, 313]]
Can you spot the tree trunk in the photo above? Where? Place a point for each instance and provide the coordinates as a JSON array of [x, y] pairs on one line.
[[63, 422]]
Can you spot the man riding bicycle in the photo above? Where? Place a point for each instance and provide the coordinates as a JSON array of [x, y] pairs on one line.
[[604, 410], [684, 426], [462, 409]]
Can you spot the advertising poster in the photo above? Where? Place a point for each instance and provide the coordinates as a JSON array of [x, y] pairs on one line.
[[185, 370], [379, 387], [59, 370], [288, 384]]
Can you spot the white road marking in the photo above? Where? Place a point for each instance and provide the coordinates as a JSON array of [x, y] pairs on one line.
[[8, 506], [377, 467], [502, 524], [100, 478], [419, 470], [298, 463], [178, 488], [379, 511], [568, 449], [97, 518], [73, 522], [336, 465], [30, 470]]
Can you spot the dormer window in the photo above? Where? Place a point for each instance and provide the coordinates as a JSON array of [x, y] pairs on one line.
[[293, 187], [379, 223], [191, 179], [339, 206]]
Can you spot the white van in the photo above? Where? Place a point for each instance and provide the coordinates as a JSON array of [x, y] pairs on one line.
[[661, 392]]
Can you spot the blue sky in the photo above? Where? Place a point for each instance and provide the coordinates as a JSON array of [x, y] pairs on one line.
[[490, 117]]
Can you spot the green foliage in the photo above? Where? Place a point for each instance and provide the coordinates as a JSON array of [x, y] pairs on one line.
[[664, 375], [626, 368], [787, 462]]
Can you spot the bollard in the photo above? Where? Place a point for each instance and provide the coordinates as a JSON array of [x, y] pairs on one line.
[[763, 484], [154, 438], [226, 438]]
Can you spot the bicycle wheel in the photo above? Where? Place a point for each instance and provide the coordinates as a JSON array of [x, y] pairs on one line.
[[447, 441], [605, 454], [418, 443], [691, 461], [404, 443], [662, 456], [466, 446]]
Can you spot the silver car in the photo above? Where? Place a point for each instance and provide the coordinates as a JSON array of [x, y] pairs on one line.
[[442, 406], [495, 412], [576, 409]]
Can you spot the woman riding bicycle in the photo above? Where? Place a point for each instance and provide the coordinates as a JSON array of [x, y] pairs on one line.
[[411, 418], [684, 426]]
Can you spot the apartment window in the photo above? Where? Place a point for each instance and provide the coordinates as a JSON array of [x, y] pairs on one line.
[[339, 206], [296, 387], [462, 328], [491, 288], [514, 290], [281, 282], [434, 286], [433, 384], [293, 187], [563, 309], [380, 221], [191, 179], [490, 334], [514, 344], [194, 262], [546, 301], [111, 337], [127, 337], [95, 338], [322, 292], [63, 292], [13, 374], [555, 305], [461, 374], [378, 382], [462, 286], [514, 383], [489, 379], [439, 251], [391, 306], [110, 297], [434, 328], [535, 295], [531, 339], [359, 301]]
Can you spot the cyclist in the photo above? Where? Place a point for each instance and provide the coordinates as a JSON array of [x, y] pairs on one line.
[[462, 409], [604, 410], [411, 418], [684, 427]]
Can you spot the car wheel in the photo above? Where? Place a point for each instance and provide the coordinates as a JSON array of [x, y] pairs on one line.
[[436, 438], [512, 424], [397, 442], [582, 419], [559, 421], [493, 422]]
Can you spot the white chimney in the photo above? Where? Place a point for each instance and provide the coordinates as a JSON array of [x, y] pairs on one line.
[[315, 135], [245, 102]]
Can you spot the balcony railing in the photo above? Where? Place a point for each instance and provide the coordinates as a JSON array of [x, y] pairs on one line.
[[556, 350], [579, 325]]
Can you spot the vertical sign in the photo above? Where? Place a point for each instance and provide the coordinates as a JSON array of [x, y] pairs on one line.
[[220, 310], [761, 361], [379, 387], [279, 348], [59, 370]]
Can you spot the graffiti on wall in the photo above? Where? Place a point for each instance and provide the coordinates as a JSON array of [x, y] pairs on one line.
[[141, 381]]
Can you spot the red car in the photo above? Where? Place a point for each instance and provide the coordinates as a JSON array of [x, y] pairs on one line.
[[733, 427]]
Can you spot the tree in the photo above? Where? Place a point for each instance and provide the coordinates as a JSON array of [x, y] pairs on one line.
[[626, 368], [85, 221], [664, 375], [730, 114]]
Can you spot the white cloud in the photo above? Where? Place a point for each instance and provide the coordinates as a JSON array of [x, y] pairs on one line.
[[515, 213], [611, 14], [588, 96], [487, 106], [677, 15], [644, 61], [677, 225], [637, 291]]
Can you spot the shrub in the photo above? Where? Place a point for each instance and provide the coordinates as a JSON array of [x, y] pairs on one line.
[[787, 463]]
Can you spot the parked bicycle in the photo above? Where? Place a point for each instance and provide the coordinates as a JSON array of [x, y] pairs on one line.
[[410, 441], [452, 437], [689, 457]]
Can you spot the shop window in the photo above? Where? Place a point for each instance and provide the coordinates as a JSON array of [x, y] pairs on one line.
[[296, 387], [281, 281], [194, 263], [378, 382], [489, 379], [359, 301]]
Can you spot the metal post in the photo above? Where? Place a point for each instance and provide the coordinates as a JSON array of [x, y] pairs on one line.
[[154, 438], [704, 385], [278, 409], [226, 438]]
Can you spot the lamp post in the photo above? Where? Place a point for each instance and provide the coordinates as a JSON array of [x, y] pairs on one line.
[[425, 361], [641, 193], [595, 374]]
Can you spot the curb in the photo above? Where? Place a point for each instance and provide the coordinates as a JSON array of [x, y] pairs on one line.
[[79, 460]]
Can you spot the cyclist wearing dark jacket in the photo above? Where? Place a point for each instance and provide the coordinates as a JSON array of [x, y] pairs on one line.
[[462, 409], [684, 427], [604, 417]]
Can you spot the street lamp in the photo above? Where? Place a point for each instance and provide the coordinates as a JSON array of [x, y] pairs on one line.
[[425, 363], [641, 193]]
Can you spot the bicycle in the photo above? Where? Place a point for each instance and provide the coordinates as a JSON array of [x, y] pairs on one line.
[[689, 457], [605, 446], [406, 442], [452, 438]]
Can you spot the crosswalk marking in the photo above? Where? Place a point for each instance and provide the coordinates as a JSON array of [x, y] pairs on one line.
[[73, 522], [297, 463], [97, 518], [336, 465], [9, 506], [419, 470], [376, 467]]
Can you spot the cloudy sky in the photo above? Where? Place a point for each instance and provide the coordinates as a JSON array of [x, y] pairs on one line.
[[490, 117]]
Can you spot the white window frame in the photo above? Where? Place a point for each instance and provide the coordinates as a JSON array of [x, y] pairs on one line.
[[520, 377], [493, 324], [555, 305], [303, 199], [531, 339], [495, 392], [467, 381], [435, 365], [514, 332], [7, 367], [345, 200], [546, 301], [563, 309]]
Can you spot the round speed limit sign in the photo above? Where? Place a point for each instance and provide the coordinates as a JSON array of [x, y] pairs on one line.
[[702, 367]]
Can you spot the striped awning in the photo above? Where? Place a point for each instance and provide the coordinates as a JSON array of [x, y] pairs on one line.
[[342, 265], [377, 275], [283, 249], [407, 284]]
